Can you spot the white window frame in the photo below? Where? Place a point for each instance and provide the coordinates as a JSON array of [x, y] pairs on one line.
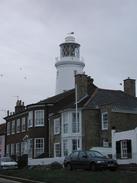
[[8, 128], [104, 121], [65, 147], [30, 147], [23, 124], [124, 152], [65, 123], [8, 150], [105, 143], [13, 127], [57, 150], [77, 144], [22, 148], [75, 124], [56, 126], [18, 125], [30, 119], [39, 118], [38, 150], [17, 149]]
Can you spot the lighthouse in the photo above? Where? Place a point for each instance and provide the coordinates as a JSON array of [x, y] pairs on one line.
[[68, 64]]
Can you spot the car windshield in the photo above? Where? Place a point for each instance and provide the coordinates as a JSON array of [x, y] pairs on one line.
[[6, 159], [95, 154]]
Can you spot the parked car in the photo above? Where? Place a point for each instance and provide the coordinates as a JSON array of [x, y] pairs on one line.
[[89, 160], [8, 163]]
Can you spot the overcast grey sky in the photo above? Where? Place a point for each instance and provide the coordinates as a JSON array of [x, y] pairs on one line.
[[30, 34]]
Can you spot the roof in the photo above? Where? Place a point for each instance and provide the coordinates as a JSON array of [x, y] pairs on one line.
[[116, 98], [56, 98]]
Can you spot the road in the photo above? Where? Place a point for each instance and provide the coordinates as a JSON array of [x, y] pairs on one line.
[[3, 180]]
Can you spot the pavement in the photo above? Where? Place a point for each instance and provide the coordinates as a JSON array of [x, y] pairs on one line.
[[3, 180], [11, 179]]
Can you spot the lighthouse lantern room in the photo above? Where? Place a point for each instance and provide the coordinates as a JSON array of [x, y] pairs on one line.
[[68, 64]]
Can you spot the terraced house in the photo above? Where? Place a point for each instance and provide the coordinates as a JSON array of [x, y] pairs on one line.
[[51, 128]]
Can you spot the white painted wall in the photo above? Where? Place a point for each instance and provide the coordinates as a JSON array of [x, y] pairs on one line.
[[131, 135], [44, 161], [65, 77]]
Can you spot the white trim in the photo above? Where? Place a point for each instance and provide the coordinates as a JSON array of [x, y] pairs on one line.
[[13, 125], [18, 125], [30, 119], [57, 126], [102, 121], [35, 155], [36, 124], [55, 149]]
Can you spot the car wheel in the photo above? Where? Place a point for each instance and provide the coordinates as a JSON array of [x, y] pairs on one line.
[[93, 167], [68, 166]]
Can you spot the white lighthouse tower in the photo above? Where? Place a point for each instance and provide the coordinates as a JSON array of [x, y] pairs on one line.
[[68, 65]]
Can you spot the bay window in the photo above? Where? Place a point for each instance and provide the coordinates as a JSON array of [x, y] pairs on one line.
[[56, 126], [30, 119], [75, 123], [39, 118], [18, 126], [39, 146]]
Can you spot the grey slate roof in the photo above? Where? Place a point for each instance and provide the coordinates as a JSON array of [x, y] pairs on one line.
[[56, 98], [116, 98]]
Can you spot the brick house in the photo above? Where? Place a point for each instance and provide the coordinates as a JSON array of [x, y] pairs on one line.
[[51, 128], [27, 129], [99, 111], [2, 139]]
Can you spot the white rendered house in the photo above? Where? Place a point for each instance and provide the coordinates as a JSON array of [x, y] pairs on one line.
[[124, 146], [68, 64]]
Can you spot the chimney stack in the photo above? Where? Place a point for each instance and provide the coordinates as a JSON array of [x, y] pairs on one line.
[[130, 86], [84, 85], [19, 106]]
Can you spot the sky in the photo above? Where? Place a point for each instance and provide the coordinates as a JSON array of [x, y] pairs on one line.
[[30, 34]]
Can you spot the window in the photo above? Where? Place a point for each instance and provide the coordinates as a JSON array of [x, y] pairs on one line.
[[56, 126], [39, 146], [57, 152], [105, 121], [18, 149], [123, 149], [8, 150], [13, 127], [30, 119], [124, 153], [8, 128], [75, 144], [23, 125], [105, 143], [18, 125], [75, 123], [12, 149], [65, 122], [65, 147], [39, 118], [30, 143], [22, 148]]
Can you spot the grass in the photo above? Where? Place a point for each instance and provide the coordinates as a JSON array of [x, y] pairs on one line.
[[76, 176]]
